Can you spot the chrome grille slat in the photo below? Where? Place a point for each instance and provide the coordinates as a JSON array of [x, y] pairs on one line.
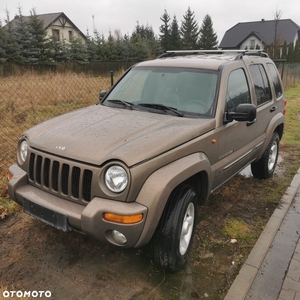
[[63, 178]]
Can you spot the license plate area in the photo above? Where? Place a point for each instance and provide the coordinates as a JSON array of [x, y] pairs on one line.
[[48, 216]]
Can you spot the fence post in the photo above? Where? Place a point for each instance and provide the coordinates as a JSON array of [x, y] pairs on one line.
[[111, 78]]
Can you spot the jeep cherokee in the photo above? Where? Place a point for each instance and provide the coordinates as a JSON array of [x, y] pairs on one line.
[[135, 167]]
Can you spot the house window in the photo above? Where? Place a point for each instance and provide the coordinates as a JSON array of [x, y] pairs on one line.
[[252, 44], [55, 34], [70, 35]]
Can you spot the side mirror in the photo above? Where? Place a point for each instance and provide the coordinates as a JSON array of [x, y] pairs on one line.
[[244, 112], [102, 95]]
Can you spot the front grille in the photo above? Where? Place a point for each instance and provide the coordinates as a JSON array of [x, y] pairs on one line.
[[64, 178]]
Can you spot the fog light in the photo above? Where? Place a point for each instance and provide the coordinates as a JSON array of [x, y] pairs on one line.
[[119, 237]]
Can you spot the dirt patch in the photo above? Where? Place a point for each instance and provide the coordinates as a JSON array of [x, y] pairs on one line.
[[37, 257]]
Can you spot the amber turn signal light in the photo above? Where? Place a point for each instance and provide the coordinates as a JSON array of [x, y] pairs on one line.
[[123, 219], [9, 176]]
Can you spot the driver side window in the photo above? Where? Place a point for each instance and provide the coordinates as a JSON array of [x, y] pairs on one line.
[[237, 90]]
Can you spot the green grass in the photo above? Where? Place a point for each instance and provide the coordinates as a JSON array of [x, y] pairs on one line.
[[8, 206], [291, 133], [236, 229]]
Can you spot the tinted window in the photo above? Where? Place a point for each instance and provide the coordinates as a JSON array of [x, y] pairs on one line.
[[237, 90], [276, 79], [261, 84]]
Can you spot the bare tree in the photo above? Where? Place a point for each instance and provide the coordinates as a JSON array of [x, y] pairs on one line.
[[278, 41]]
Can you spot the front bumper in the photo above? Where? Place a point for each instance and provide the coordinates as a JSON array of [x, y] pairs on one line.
[[86, 219]]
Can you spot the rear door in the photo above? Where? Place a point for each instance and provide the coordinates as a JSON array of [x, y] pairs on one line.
[[266, 107], [269, 96]]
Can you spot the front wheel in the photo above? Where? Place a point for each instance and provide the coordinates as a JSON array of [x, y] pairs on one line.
[[265, 166], [173, 237]]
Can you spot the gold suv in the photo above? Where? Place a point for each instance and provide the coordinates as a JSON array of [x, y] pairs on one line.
[[134, 168]]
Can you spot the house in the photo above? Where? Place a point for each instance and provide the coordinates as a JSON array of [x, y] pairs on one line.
[[251, 35], [59, 26]]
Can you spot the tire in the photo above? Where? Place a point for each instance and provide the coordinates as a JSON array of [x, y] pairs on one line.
[[173, 237], [264, 168]]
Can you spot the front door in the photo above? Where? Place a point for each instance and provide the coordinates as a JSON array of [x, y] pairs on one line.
[[236, 139]]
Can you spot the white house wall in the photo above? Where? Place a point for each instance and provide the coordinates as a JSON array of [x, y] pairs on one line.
[[247, 43], [296, 38], [64, 31]]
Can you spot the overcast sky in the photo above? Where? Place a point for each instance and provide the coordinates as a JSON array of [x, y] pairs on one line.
[[123, 15]]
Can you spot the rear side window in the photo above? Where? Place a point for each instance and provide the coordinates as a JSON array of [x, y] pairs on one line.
[[261, 84], [237, 90], [276, 79]]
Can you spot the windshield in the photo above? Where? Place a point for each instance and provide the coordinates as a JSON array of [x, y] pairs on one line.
[[191, 92]]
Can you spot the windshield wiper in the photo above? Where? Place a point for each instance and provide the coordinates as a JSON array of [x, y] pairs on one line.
[[162, 107], [122, 102]]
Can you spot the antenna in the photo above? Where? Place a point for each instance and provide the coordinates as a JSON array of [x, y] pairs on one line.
[[94, 30]]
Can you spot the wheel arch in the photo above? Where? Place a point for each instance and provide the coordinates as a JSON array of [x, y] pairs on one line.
[[192, 169], [279, 129], [200, 183], [275, 125]]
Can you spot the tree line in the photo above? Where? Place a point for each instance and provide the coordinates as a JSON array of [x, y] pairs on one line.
[[289, 52], [27, 41]]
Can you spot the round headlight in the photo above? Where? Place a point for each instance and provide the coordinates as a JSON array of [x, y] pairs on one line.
[[116, 179], [23, 151]]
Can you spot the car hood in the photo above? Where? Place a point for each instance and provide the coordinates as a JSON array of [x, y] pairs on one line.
[[97, 134]]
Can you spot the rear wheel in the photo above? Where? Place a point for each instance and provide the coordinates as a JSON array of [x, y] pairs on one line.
[[264, 168], [173, 237]]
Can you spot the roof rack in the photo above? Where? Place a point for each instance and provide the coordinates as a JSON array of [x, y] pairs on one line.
[[239, 53]]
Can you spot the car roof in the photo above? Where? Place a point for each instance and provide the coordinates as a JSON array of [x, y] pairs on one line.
[[208, 59]]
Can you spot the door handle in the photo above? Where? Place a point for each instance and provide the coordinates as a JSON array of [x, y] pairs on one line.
[[273, 108]]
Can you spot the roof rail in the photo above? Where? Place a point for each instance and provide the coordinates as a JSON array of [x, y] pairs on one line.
[[252, 52], [239, 53]]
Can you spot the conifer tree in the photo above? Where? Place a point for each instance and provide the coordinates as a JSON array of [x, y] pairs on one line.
[[21, 36], [77, 51], [189, 30], [290, 55], [127, 48], [145, 44], [110, 49], [8, 46], [297, 52], [208, 38], [100, 45], [39, 45], [165, 32], [175, 40], [60, 50], [284, 50], [90, 47]]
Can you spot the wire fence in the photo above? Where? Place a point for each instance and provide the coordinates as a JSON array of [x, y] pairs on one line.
[[29, 99], [290, 74]]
